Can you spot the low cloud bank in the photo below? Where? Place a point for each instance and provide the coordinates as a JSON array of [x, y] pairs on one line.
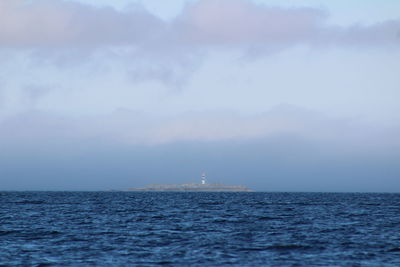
[[285, 149], [56, 154], [131, 128]]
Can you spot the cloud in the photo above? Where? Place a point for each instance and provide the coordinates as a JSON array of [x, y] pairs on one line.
[[132, 128], [242, 22], [385, 33], [48, 23], [59, 32], [236, 22], [32, 94], [64, 34], [60, 23]]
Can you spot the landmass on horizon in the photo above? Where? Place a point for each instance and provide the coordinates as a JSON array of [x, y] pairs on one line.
[[194, 187]]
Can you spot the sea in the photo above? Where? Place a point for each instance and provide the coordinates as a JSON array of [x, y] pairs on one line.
[[199, 229]]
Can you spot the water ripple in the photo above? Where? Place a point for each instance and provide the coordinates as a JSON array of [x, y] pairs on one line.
[[199, 229]]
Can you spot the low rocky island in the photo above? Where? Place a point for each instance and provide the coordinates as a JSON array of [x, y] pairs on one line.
[[194, 187]]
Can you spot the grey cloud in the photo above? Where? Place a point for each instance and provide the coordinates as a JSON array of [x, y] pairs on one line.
[[64, 34], [171, 69], [61, 33], [129, 127], [1, 97], [205, 22], [60, 23], [32, 94], [240, 22], [243, 23], [384, 33]]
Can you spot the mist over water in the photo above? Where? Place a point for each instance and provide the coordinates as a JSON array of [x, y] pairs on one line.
[[199, 229], [271, 164]]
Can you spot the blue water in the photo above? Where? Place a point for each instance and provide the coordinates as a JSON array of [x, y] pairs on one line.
[[199, 229]]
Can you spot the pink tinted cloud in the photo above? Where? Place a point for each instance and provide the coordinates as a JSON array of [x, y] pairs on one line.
[[129, 127], [202, 23], [57, 22], [241, 22]]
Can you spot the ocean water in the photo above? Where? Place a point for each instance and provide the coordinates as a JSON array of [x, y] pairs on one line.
[[199, 229]]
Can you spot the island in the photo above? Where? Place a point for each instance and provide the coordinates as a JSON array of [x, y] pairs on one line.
[[193, 187]]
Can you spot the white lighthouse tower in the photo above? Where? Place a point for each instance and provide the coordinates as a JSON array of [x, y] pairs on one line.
[[203, 178]]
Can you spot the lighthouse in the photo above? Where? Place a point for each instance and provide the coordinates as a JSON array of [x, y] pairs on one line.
[[203, 178]]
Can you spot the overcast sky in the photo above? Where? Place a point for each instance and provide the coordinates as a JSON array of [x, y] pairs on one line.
[[278, 95]]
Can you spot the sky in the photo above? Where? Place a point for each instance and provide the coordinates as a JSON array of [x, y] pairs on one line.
[[276, 95]]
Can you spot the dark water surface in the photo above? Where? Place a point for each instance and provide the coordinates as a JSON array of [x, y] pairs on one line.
[[199, 229]]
